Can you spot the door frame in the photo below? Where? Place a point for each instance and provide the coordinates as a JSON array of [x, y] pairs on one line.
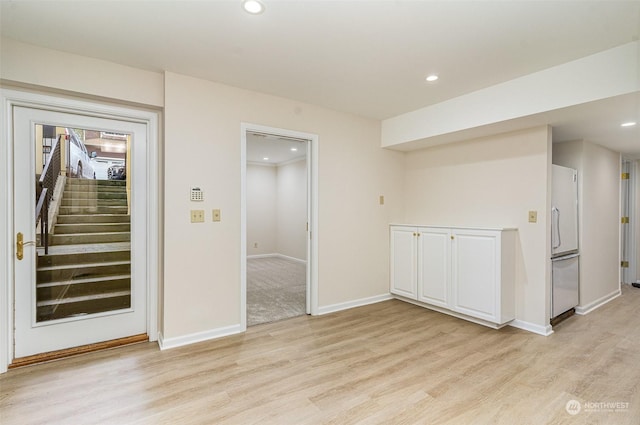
[[10, 98], [312, 214], [629, 274]]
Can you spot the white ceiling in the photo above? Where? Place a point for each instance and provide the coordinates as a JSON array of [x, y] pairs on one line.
[[277, 149], [364, 57]]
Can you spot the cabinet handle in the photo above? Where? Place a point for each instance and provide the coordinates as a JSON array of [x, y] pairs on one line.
[[451, 237], [415, 234], [418, 234]]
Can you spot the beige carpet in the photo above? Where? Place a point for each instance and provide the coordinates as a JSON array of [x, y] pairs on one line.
[[276, 289]]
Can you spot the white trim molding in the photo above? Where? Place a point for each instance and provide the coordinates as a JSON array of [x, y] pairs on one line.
[[352, 304], [180, 341], [586, 309], [531, 327]]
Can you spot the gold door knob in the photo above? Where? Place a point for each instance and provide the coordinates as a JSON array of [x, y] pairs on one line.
[[20, 243]]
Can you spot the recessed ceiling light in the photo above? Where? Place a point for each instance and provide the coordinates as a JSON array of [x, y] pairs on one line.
[[254, 7], [628, 124], [265, 158], [431, 78], [294, 149]]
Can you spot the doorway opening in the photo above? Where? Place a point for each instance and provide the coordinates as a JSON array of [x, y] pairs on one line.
[[277, 225]]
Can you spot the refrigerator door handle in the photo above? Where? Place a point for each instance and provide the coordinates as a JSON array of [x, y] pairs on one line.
[[555, 219]]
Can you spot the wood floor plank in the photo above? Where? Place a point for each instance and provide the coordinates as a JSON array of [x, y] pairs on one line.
[[391, 363]]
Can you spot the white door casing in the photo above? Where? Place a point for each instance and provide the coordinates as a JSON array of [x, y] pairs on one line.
[[147, 165]]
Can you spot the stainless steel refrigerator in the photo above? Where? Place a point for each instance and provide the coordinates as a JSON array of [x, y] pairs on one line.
[[565, 256]]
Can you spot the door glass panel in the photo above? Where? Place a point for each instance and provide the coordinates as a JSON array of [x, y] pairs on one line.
[[82, 198]]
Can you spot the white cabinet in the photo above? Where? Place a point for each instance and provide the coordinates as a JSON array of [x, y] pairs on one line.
[[434, 266], [466, 272], [403, 261]]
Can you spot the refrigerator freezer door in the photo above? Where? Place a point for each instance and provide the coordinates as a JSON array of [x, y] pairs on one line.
[[566, 279], [564, 211]]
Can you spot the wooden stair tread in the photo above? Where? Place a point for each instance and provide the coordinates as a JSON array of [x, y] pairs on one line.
[[82, 265], [83, 298], [91, 233], [107, 248], [81, 281]]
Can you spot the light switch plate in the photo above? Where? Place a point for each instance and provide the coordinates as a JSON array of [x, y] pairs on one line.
[[533, 216], [197, 216], [216, 215]]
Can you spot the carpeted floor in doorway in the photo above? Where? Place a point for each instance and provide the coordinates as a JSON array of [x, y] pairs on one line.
[[276, 289]]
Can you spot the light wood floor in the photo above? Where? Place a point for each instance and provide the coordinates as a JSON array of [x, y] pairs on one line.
[[388, 363]]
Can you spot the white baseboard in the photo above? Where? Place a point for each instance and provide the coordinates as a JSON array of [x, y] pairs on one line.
[[352, 304], [179, 341], [588, 308], [285, 257], [252, 257], [532, 327]]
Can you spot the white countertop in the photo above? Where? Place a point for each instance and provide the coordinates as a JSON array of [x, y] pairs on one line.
[[454, 227]]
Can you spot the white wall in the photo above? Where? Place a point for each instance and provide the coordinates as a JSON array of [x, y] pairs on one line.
[[292, 210], [27, 64], [599, 217], [277, 209], [202, 140], [261, 209], [491, 182]]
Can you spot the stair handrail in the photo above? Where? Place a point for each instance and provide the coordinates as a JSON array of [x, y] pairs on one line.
[[42, 214], [47, 182]]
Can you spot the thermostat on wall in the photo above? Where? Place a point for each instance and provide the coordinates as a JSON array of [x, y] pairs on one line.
[[197, 194]]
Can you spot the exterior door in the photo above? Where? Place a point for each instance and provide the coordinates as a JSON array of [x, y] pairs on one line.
[[87, 283]]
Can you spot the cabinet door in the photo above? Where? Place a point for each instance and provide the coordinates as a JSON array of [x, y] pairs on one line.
[[434, 265], [403, 269], [476, 273]]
